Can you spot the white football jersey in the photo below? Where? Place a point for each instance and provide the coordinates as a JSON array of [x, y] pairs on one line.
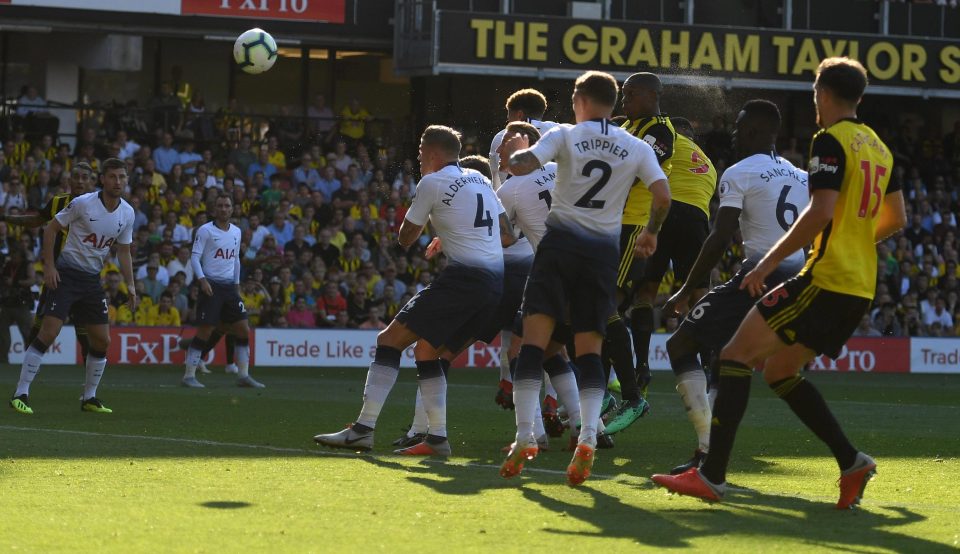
[[465, 213], [771, 193], [216, 254], [500, 176], [93, 230], [597, 163], [527, 200]]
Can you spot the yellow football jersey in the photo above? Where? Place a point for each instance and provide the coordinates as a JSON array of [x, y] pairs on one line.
[[659, 133], [849, 157], [693, 177]]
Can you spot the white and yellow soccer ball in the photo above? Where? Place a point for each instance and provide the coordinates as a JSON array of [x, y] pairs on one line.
[[255, 51]]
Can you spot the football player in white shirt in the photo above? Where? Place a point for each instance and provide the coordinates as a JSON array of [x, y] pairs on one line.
[[216, 265], [96, 221], [469, 220], [575, 270], [524, 105], [761, 195]]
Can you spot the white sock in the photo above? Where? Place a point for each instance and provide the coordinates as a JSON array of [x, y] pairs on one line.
[[94, 374], [613, 375], [435, 404], [420, 422], [692, 386], [712, 397], [193, 360], [538, 429], [506, 337], [526, 400], [28, 370], [380, 379], [241, 354], [566, 387], [548, 386], [591, 400]]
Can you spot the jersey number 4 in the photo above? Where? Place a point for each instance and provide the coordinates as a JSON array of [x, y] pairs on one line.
[[587, 201], [480, 220], [871, 186]]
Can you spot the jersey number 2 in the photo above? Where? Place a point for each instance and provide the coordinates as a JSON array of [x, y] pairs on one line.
[[480, 220], [871, 186], [587, 201]]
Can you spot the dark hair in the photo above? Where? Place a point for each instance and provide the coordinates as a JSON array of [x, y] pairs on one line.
[[167, 294], [844, 77], [645, 80], [225, 195], [530, 101], [524, 128], [113, 163], [598, 86], [764, 115], [84, 166], [443, 137], [683, 126], [478, 163]]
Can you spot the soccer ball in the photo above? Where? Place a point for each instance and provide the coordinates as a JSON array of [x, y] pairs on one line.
[[255, 51]]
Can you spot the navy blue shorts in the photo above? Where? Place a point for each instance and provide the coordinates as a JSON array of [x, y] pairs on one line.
[[514, 281], [678, 245], [79, 295], [223, 306], [454, 308], [573, 280], [713, 321]]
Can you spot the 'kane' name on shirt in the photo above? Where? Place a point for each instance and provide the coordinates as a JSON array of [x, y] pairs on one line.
[[459, 183], [603, 145]]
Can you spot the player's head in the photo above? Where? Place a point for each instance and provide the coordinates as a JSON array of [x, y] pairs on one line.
[[683, 126], [517, 128], [641, 95], [81, 178], [594, 95], [439, 145], [526, 104], [223, 208], [838, 88], [478, 163], [757, 127], [113, 179]]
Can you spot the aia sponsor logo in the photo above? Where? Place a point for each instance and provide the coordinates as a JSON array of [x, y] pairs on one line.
[[99, 241], [225, 254]]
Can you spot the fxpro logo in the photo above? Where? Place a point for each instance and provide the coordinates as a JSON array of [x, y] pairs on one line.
[[848, 360]]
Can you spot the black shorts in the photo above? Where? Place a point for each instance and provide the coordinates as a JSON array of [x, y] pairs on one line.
[[573, 280], [223, 306], [38, 317], [821, 320], [630, 269], [454, 308], [514, 280], [80, 296], [713, 321], [679, 242]]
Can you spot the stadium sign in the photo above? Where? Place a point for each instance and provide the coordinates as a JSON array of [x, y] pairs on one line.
[[553, 47], [318, 11]]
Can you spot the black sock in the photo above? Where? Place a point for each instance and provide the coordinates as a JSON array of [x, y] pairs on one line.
[[807, 402], [211, 343], [444, 366], [529, 364], [231, 343], [641, 325], [556, 366], [728, 410], [591, 372], [83, 340], [513, 369], [617, 346]]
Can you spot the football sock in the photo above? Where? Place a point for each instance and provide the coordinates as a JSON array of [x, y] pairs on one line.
[[548, 386], [197, 346], [506, 337], [31, 365], [231, 348], [526, 390], [215, 337], [569, 396], [380, 379], [807, 402], [420, 422], [714, 381], [538, 429], [731, 404], [641, 326], [433, 388], [620, 351], [242, 349], [82, 339], [692, 386], [592, 387], [96, 362]]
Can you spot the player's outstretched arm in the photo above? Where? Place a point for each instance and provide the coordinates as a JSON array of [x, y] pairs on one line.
[[646, 243], [409, 232], [506, 231], [725, 225], [51, 278], [126, 269], [811, 221], [892, 216]]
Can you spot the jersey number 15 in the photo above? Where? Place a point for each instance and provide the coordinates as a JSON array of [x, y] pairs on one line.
[[871, 186]]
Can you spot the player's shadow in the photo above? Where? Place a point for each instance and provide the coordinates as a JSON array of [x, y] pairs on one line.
[[747, 513]]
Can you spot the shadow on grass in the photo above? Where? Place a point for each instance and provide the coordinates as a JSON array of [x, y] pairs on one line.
[[745, 513], [225, 505]]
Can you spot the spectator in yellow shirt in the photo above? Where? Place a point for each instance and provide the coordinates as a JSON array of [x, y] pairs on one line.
[[164, 314], [353, 120], [254, 295], [275, 155]]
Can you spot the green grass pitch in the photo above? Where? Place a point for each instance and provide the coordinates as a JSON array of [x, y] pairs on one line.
[[235, 470]]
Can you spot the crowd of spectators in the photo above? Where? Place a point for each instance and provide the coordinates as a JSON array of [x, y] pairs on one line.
[[319, 202]]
